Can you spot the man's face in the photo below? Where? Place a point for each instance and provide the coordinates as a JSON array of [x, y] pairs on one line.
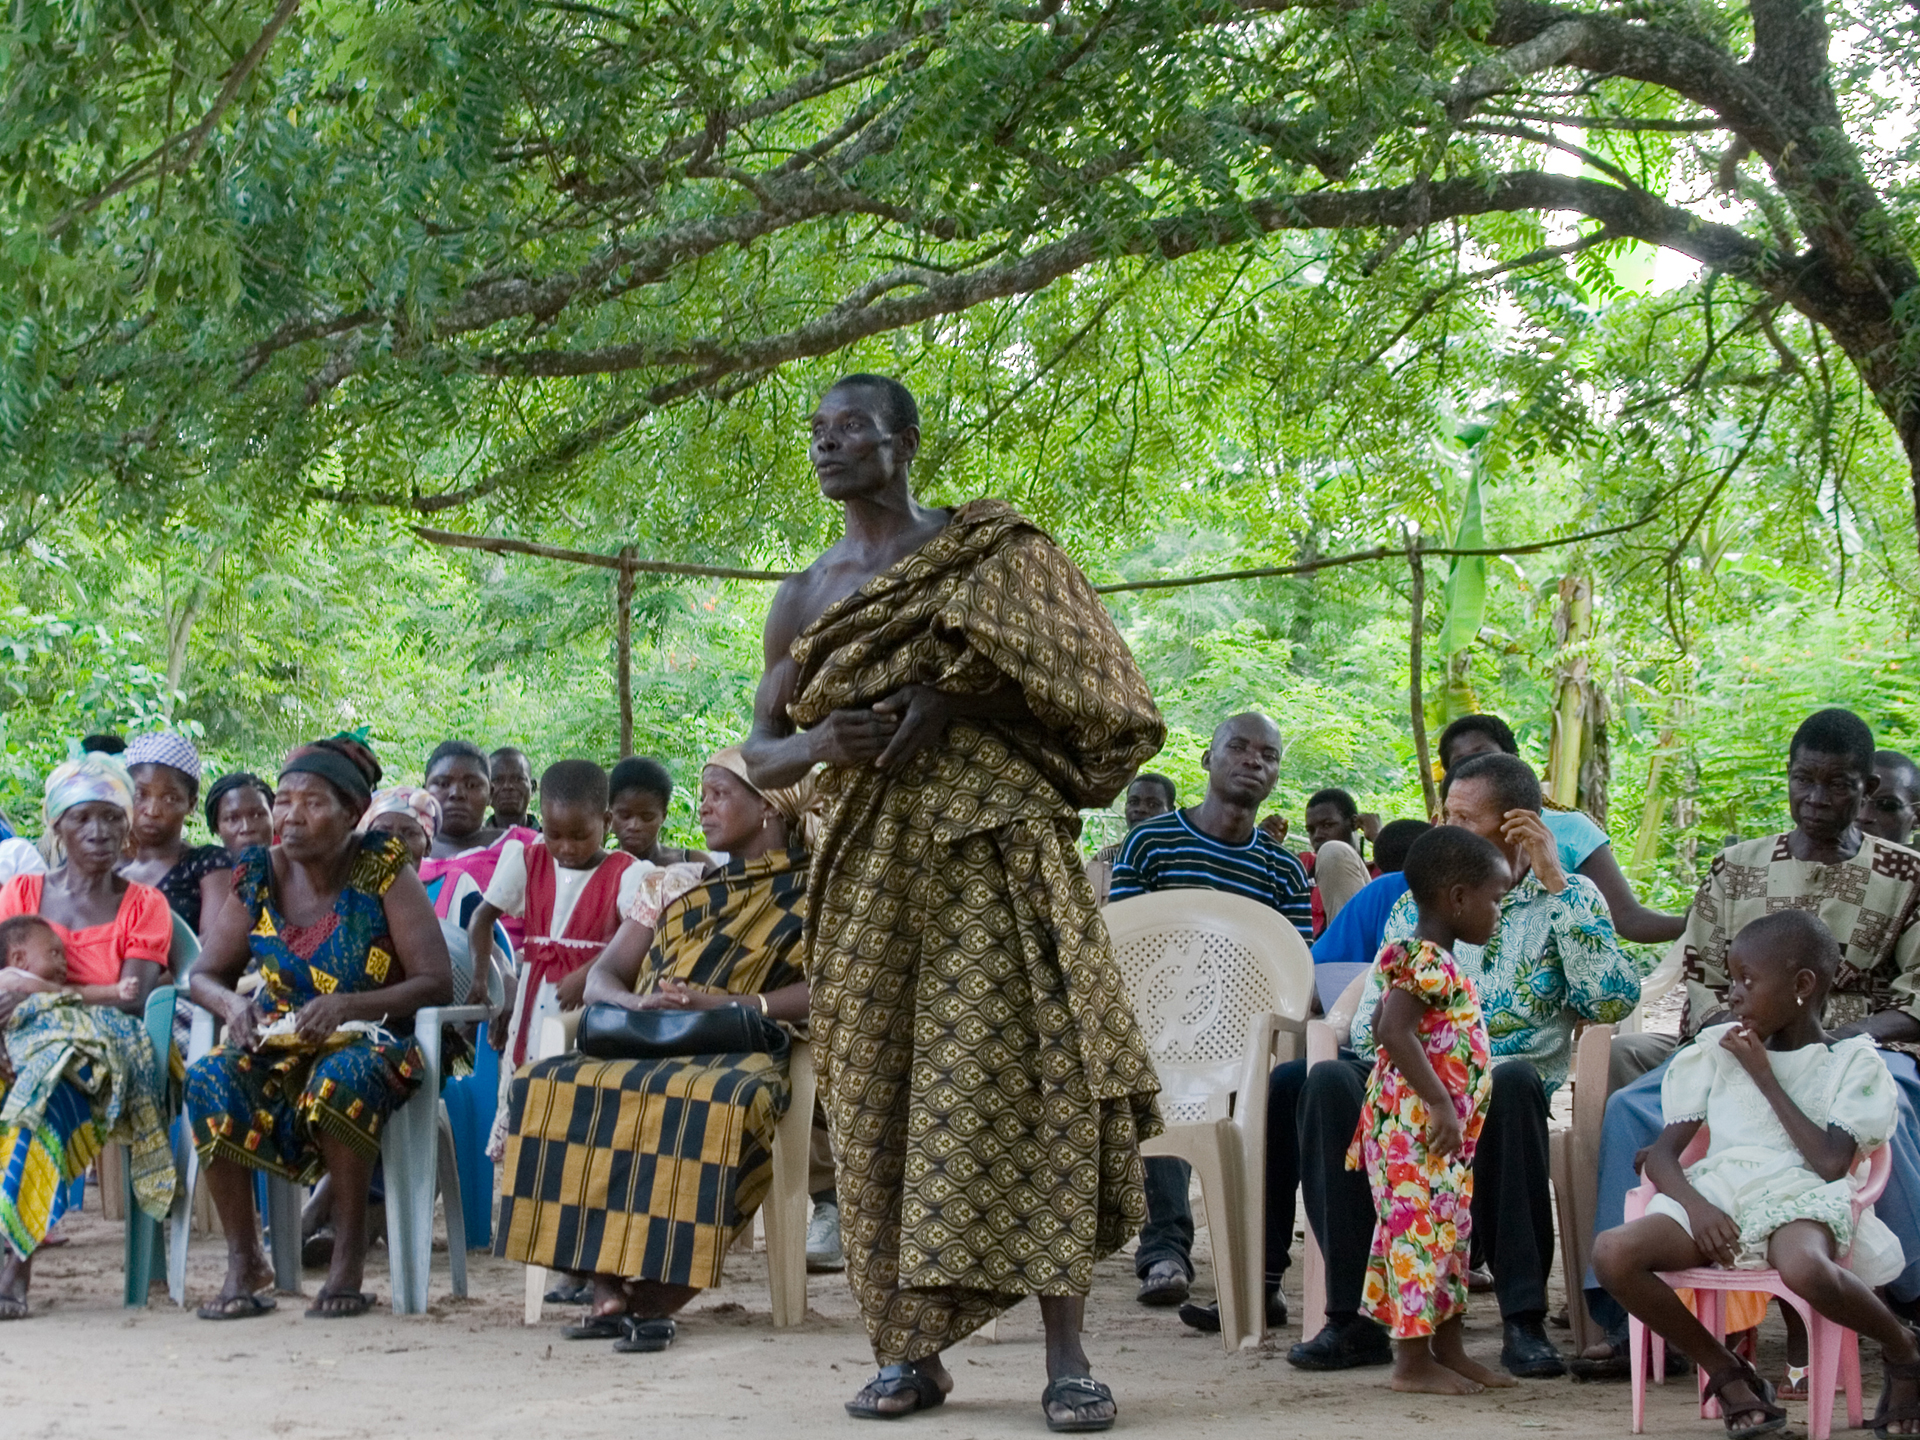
[[1473, 805], [1824, 793], [1145, 799], [1325, 822], [1889, 811], [854, 453], [1243, 762], [512, 783]]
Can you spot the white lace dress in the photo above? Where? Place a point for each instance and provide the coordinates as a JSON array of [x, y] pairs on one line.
[[1753, 1171]]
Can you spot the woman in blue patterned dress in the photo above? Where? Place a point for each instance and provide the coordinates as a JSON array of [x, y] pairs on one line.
[[349, 948]]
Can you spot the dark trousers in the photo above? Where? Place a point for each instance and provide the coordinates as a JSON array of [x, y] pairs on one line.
[[1168, 1233], [1512, 1211]]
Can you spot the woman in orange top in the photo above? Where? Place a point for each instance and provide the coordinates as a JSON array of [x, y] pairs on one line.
[[113, 930]]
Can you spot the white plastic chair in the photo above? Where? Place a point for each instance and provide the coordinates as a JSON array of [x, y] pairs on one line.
[[1324, 1039], [785, 1208], [1216, 980]]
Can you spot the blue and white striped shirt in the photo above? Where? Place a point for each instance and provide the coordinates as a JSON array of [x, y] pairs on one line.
[[1169, 852]]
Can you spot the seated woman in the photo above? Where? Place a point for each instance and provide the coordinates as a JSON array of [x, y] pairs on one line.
[[240, 812], [111, 932], [646, 1207], [348, 948], [166, 784]]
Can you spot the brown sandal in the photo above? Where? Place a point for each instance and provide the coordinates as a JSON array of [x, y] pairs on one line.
[[1886, 1413], [1740, 1372]]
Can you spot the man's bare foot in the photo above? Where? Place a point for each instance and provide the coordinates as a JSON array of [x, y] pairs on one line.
[[1418, 1373], [904, 1401]]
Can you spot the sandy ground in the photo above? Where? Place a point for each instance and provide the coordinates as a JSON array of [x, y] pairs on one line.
[[83, 1366]]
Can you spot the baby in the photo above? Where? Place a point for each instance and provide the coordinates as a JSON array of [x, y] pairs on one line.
[[36, 962]]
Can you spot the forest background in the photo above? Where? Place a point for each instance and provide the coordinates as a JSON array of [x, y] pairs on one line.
[[280, 283]]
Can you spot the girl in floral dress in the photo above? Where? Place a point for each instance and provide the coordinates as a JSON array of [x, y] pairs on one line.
[[1423, 1112]]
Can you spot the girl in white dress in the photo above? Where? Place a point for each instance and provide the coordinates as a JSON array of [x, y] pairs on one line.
[[1790, 1111]]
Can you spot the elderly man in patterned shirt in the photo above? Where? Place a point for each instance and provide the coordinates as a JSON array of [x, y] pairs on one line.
[[1552, 963], [1867, 890]]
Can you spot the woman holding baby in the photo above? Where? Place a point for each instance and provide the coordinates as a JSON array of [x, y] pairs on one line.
[[83, 947]]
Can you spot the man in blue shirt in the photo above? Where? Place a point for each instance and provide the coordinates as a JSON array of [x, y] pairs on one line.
[[1215, 845], [1352, 938]]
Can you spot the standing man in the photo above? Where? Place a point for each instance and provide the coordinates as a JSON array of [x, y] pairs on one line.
[[511, 794], [1215, 845], [1889, 811], [1553, 962], [985, 1082]]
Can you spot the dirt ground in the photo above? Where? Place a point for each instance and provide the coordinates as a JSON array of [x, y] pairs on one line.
[[83, 1366]]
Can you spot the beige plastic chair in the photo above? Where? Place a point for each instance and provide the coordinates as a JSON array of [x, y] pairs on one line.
[[1573, 1153], [1217, 981], [1324, 1039], [785, 1208]]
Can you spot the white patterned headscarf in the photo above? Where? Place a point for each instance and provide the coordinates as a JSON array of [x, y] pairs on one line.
[[163, 747]]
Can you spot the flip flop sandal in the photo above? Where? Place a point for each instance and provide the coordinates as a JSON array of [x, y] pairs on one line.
[[895, 1380], [12, 1308], [646, 1337], [345, 1305], [598, 1327], [1076, 1392], [238, 1307], [570, 1294], [1796, 1386], [1776, 1420], [1886, 1414]]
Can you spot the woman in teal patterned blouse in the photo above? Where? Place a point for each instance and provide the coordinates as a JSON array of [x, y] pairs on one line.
[[349, 948]]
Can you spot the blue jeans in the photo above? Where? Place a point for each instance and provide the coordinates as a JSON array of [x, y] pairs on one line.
[[1633, 1121], [1168, 1233]]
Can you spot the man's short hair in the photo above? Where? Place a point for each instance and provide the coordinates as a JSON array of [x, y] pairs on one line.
[[457, 750], [1835, 732], [574, 782], [637, 772], [14, 931], [1515, 786], [1906, 773], [1491, 726], [506, 750], [1802, 934], [1154, 777], [1340, 800], [897, 405], [1446, 856], [1396, 838]]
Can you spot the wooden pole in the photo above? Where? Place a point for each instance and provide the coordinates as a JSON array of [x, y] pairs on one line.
[[1570, 716], [1416, 658], [623, 664]]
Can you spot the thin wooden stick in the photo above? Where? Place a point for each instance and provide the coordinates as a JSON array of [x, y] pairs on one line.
[[1416, 658], [623, 663]]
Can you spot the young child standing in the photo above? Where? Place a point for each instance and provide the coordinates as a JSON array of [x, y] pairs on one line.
[[1421, 1119], [1789, 1110], [568, 888]]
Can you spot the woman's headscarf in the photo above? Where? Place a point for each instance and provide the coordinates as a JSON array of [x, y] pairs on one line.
[[163, 747], [225, 786], [404, 800], [798, 805], [344, 761], [89, 776]]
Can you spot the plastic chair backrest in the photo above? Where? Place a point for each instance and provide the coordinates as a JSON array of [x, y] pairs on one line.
[[1198, 966], [182, 952]]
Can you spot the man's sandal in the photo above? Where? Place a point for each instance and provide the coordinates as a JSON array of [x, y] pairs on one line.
[[646, 1337], [1763, 1402], [895, 1380], [1077, 1393], [1886, 1413], [237, 1307]]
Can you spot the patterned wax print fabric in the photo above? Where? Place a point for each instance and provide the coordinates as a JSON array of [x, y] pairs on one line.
[[985, 1082], [648, 1169], [267, 1109], [84, 1075], [181, 884], [1554, 960], [1752, 1169], [1871, 903], [1422, 1202]]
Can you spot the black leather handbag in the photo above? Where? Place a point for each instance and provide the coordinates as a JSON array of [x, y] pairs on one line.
[[613, 1032]]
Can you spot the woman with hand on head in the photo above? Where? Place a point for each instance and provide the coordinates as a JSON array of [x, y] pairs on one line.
[[240, 812], [166, 784], [349, 949], [115, 936], [694, 938]]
